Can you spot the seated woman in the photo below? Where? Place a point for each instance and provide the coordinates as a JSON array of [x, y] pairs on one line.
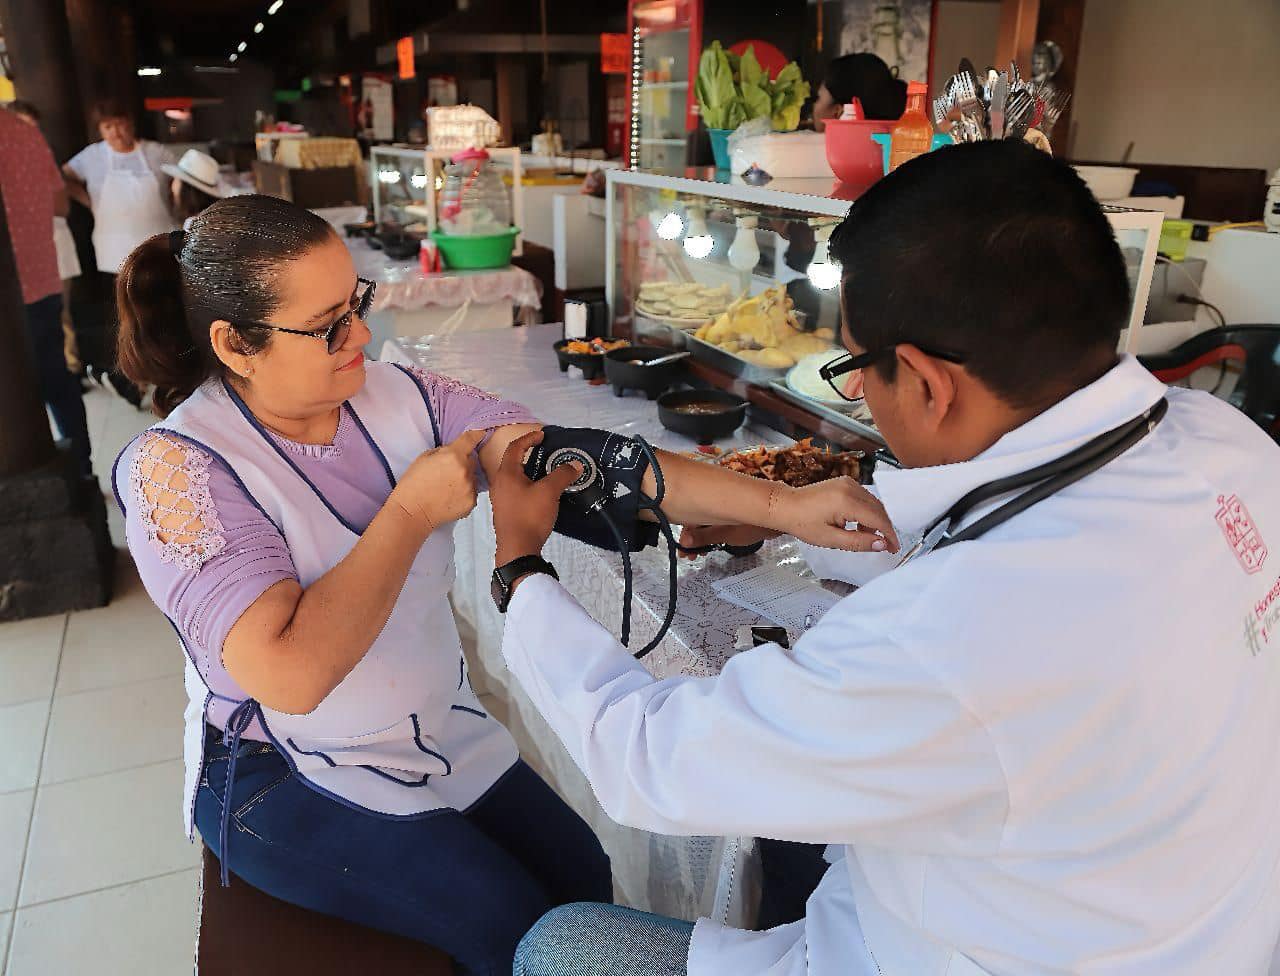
[[291, 515]]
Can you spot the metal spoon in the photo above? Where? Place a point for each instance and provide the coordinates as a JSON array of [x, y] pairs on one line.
[[668, 359]]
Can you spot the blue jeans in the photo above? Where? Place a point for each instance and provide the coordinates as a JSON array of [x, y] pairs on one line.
[[604, 940], [59, 389], [470, 883]]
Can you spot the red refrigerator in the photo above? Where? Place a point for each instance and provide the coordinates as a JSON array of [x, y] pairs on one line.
[[666, 41]]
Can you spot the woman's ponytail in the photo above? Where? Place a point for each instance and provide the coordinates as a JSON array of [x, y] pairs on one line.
[[155, 346], [226, 266]]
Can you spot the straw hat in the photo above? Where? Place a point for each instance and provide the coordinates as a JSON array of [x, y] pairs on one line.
[[201, 171]]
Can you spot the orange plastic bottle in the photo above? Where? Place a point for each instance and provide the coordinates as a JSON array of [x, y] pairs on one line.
[[912, 134]]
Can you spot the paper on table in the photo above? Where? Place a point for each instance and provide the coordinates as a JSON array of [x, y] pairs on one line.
[[778, 594]]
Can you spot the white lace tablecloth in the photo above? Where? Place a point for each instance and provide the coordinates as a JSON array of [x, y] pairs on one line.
[[402, 284], [685, 877]]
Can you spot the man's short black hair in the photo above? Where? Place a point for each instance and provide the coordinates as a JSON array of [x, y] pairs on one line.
[[993, 250]]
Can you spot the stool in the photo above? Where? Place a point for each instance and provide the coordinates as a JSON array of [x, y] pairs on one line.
[[243, 932]]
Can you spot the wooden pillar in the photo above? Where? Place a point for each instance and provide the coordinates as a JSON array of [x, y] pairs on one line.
[[25, 440], [1018, 21], [1062, 21], [508, 92], [104, 48], [39, 45]]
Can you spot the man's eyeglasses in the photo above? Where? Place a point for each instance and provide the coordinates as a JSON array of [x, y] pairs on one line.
[[335, 336], [847, 363]]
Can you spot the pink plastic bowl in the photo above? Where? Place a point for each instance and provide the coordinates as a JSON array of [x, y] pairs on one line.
[[853, 156]]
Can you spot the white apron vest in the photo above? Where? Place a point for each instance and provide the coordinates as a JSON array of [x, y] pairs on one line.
[[127, 210], [403, 735]]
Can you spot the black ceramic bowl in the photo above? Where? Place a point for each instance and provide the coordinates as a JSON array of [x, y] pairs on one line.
[[401, 247], [702, 427], [591, 364], [623, 373]]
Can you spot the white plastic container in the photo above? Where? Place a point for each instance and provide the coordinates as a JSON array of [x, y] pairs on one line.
[[793, 155], [1108, 182]]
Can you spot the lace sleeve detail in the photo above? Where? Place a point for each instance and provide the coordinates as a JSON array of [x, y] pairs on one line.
[[445, 386], [169, 482]]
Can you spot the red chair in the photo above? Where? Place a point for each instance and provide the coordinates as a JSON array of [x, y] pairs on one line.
[[1256, 347]]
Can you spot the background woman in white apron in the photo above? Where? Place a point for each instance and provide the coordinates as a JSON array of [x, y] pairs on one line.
[[121, 180], [290, 515]]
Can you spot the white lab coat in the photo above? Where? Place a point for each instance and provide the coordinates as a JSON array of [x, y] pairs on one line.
[[1050, 750]]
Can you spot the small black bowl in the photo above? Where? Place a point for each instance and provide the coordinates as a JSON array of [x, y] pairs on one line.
[[591, 364], [623, 373], [360, 230], [702, 427], [401, 247]]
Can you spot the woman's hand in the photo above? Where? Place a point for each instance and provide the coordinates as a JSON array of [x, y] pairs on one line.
[[524, 511], [440, 486], [698, 536], [817, 514]]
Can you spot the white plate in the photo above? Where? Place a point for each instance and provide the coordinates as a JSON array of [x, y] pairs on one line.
[[817, 388]]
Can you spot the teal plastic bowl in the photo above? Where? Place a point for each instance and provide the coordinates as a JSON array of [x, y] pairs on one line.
[[464, 252], [720, 146]]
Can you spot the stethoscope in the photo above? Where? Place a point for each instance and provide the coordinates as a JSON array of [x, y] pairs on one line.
[[1041, 482]]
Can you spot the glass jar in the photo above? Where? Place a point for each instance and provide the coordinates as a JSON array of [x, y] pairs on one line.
[[474, 200]]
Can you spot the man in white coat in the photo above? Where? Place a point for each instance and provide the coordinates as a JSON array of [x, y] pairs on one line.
[[1046, 743]]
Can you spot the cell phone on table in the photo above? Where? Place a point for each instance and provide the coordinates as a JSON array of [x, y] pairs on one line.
[[763, 634]]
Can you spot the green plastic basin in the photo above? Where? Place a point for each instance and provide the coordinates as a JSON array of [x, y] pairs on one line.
[[465, 252]]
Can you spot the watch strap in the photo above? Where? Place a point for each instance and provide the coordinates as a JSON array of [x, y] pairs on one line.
[[506, 575]]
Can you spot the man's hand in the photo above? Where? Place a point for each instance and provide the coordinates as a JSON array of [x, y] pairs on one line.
[[524, 511], [817, 514]]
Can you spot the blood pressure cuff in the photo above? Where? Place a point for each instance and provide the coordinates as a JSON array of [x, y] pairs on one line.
[[612, 479]]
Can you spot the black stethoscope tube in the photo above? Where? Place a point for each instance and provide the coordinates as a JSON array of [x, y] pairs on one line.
[[1046, 479]]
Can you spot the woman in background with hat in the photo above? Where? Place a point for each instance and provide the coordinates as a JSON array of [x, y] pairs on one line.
[[197, 182]]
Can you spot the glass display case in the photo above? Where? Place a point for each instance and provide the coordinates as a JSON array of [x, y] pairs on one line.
[[398, 183], [740, 276], [666, 41]]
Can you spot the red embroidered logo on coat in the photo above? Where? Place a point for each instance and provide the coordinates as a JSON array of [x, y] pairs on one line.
[[1242, 535]]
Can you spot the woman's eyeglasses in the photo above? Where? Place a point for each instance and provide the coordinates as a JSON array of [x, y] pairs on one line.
[[335, 336], [847, 363]]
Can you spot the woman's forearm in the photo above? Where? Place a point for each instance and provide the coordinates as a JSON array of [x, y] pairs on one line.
[[294, 646], [698, 493]]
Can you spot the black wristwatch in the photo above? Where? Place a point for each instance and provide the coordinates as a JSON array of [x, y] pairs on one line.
[[504, 576]]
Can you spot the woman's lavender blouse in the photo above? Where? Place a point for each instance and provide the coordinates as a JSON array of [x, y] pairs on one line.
[[204, 586]]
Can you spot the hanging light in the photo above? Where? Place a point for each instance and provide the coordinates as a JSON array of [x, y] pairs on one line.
[[822, 272], [234, 57], [148, 72], [257, 28], [241, 46], [698, 242], [744, 252], [274, 7], [669, 226]]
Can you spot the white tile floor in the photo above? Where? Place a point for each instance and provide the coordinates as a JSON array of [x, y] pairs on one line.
[[95, 872]]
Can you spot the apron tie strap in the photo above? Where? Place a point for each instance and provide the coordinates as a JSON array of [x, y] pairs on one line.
[[239, 720]]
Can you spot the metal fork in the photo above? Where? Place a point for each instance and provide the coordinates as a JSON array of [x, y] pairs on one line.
[[1018, 114]]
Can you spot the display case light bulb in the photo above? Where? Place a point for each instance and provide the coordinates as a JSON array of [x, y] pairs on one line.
[[698, 242], [821, 271], [744, 252], [419, 180], [388, 176], [670, 226]]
